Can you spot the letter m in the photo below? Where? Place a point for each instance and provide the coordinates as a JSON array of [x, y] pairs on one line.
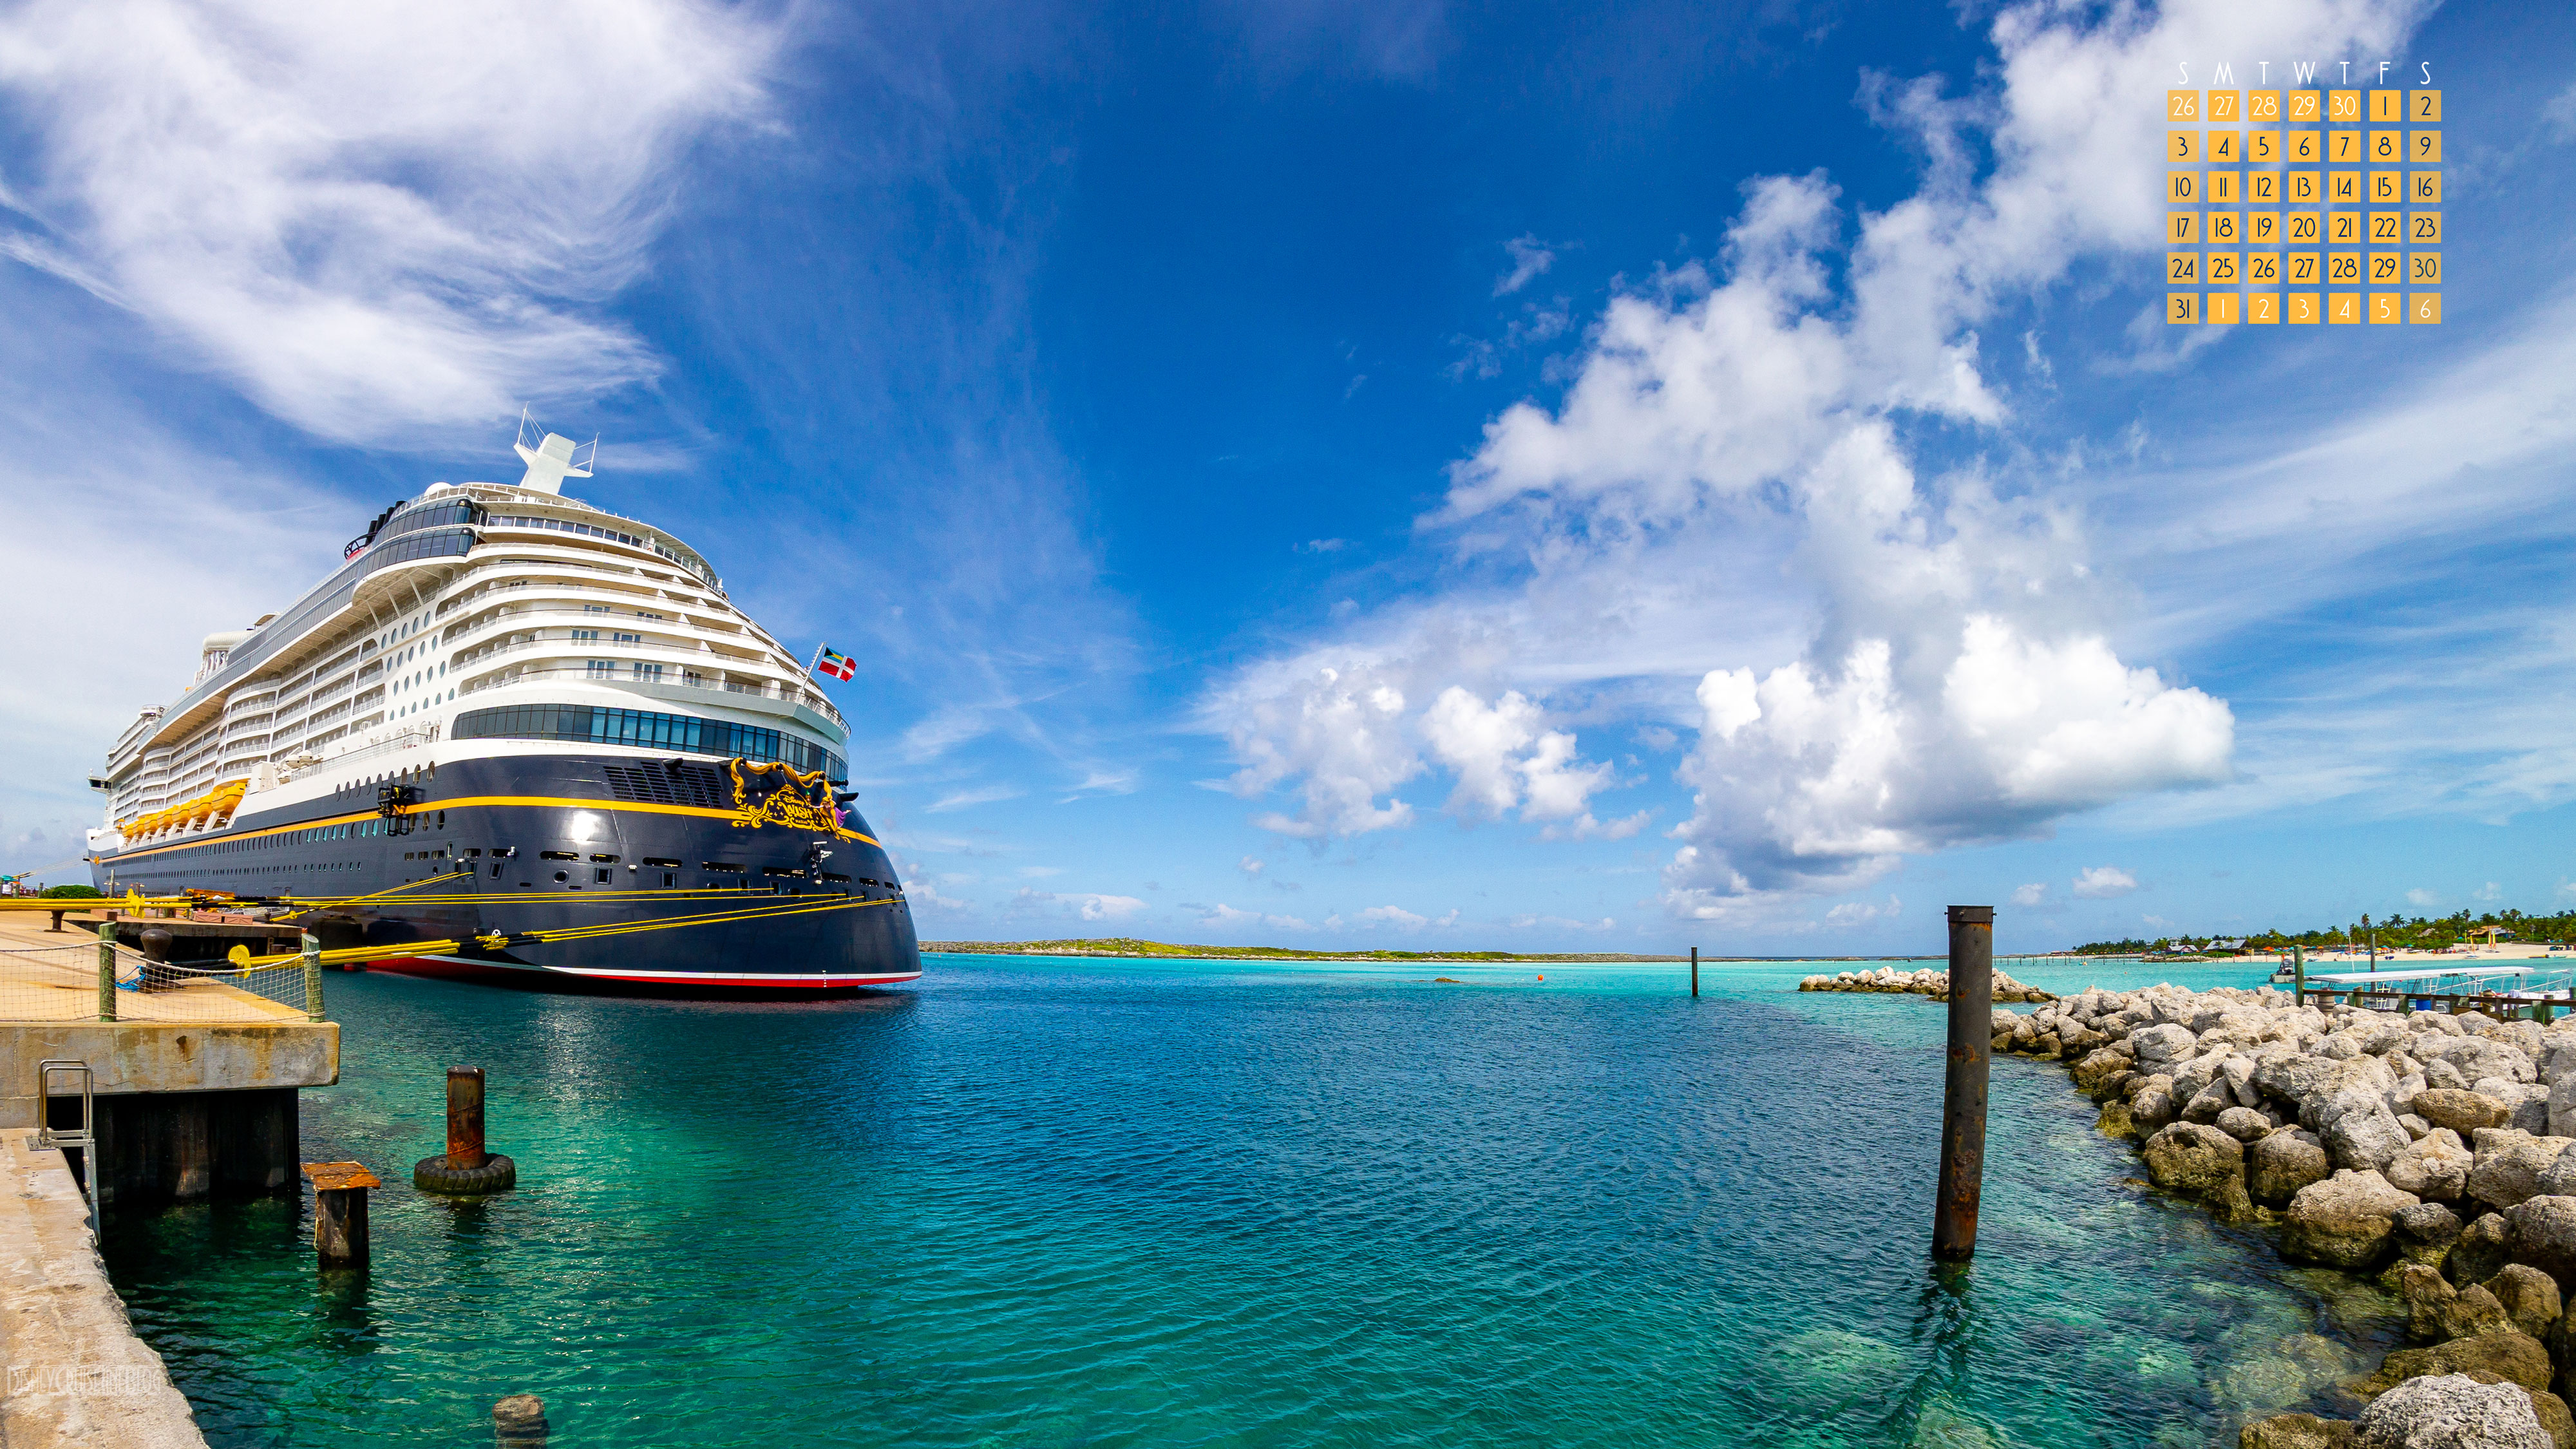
[[2223, 76]]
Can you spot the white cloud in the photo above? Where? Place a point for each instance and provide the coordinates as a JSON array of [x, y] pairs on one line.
[[1251, 865], [980, 795], [2421, 897], [2102, 882], [2558, 116], [1082, 905], [1222, 914], [1505, 758], [1340, 728], [2030, 895], [1561, 923], [2488, 892], [1396, 916], [1324, 545], [1106, 908], [1530, 259], [372, 219], [1861, 913]]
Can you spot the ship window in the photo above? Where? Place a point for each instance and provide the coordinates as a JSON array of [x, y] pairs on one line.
[[407, 855], [836, 875], [655, 860], [721, 865], [600, 875], [558, 855], [505, 852], [559, 875], [474, 850], [603, 859], [670, 878], [601, 668]]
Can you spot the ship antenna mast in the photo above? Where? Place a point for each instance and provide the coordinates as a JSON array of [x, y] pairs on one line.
[[553, 459]]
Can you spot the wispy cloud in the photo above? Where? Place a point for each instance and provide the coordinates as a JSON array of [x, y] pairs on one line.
[[980, 795], [1530, 260]]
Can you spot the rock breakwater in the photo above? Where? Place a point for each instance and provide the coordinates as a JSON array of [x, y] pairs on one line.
[[1935, 984], [2430, 1150]]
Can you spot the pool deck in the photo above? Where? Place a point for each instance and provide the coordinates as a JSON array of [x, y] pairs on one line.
[[77, 1375]]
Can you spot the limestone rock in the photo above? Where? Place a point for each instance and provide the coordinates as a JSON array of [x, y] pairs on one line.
[[2510, 1162], [2529, 1296], [2160, 1046], [2480, 1252], [2296, 1431], [2428, 1223], [2116, 1122], [2344, 1221], [2213, 1099], [2434, 1167], [2244, 1124], [2541, 1231], [2562, 1093], [2450, 1411], [2462, 1112], [2098, 1067], [2154, 1106], [2506, 1354], [2283, 1163], [2366, 1137]]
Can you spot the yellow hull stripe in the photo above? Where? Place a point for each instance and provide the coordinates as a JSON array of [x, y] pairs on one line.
[[462, 803]]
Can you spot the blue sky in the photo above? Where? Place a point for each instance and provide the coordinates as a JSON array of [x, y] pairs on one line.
[[1515, 477]]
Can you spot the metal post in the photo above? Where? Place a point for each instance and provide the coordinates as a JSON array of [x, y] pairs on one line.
[[2298, 975], [1694, 971], [465, 1119], [312, 977], [1963, 1096], [107, 970]]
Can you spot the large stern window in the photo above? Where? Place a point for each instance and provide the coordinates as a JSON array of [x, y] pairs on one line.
[[648, 730]]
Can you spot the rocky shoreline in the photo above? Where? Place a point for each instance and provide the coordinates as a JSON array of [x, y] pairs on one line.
[[2427, 1150], [1935, 984]]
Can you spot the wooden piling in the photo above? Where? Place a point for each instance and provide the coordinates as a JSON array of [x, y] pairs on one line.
[[340, 1212], [519, 1422], [465, 1119], [1963, 1097], [1694, 972], [312, 949], [107, 970], [2298, 975]]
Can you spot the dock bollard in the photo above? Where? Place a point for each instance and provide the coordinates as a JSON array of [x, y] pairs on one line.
[[312, 977], [519, 1422], [1963, 1095], [1694, 972], [107, 970], [340, 1212], [465, 1169]]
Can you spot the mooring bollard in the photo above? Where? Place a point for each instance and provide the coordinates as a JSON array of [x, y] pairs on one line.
[[312, 977], [107, 970], [465, 1169], [519, 1422], [1963, 1095], [1694, 971], [340, 1212]]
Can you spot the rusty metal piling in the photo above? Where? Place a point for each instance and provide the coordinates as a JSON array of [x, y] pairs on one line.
[[1963, 1096], [1694, 973]]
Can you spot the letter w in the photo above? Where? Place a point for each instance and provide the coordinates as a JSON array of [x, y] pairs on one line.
[[2303, 71]]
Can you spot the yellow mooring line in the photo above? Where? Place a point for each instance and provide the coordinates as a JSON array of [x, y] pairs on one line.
[[498, 940]]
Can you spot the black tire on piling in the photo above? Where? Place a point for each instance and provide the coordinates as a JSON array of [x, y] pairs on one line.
[[432, 1174]]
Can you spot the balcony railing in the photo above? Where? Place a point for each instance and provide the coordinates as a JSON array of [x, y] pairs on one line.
[[810, 700]]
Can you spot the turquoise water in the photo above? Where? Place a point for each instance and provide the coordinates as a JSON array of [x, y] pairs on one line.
[[1050, 1202]]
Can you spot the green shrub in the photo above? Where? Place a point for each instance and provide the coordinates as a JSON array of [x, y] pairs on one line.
[[69, 893]]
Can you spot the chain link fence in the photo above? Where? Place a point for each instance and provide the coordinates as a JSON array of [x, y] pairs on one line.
[[94, 980]]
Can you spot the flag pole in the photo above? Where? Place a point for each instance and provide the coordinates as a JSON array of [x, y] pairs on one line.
[[810, 663]]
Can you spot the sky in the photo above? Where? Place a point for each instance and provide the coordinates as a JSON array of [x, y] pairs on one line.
[[1521, 477]]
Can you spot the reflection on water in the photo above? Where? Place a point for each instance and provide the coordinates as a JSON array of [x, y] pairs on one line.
[[1061, 1203]]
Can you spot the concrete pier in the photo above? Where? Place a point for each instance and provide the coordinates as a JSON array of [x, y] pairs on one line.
[[76, 1374]]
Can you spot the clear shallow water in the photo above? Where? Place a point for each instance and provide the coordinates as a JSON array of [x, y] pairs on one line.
[[1051, 1202]]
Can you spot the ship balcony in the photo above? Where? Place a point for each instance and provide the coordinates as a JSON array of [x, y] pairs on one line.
[[759, 697]]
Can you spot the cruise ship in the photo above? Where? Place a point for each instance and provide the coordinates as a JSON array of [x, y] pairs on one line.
[[511, 714]]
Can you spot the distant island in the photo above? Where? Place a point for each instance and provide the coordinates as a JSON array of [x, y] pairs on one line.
[[2392, 932], [1131, 947]]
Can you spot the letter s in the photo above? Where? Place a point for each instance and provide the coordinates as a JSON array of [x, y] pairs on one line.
[[2182, 69], [2428, 72]]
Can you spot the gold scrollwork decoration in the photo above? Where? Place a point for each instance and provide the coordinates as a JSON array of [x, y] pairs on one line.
[[791, 802]]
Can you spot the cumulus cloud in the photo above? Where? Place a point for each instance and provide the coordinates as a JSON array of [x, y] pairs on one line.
[[2030, 895], [2421, 897], [1081, 905], [1222, 914], [1505, 758], [371, 219], [1251, 865], [2102, 882], [1396, 916], [1861, 913]]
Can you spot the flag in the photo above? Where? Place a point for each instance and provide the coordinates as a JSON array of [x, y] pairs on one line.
[[838, 666]]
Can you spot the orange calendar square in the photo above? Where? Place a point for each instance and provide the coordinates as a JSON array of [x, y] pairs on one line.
[[2343, 147], [2226, 188], [2343, 269], [2226, 309], [2424, 228], [2427, 107], [2304, 148], [2262, 307], [2388, 188], [2182, 188], [2387, 228], [2343, 308], [2262, 105], [2304, 107], [2303, 227], [2387, 148], [2387, 269], [2301, 307], [2263, 228], [2225, 228], [2300, 269], [2427, 307], [2182, 306], [2262, 148], [2303, 188], [2182, 269], [2424, 148], [2182, 105], [2387, 106], [2343, 227], [2263, 188], [2224, 269], [2424, 188], [2343, 188], [2226, 148], [2226, 106], [2343, 108], [2182, 228], [2423, 269], [2387, 309], [2262, 269], [2182, 148]]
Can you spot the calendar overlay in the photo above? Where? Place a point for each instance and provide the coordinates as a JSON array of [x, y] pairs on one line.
[[2303, 206]]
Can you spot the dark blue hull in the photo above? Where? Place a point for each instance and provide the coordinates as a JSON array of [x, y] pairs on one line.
[[540, 842]]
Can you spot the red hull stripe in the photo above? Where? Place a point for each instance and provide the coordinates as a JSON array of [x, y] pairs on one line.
[[806, 981]]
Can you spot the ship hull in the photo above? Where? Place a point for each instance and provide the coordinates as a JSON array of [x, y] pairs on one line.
[[642, 850]]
